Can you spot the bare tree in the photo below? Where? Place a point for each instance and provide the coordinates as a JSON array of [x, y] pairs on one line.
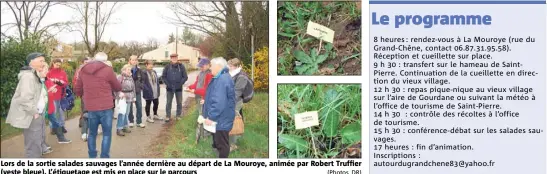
[[152, 43], [220, 19], [206, 17], [28, 19], [92, 17]]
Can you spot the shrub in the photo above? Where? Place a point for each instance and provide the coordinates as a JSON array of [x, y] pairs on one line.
[[70, 70], [117, 66], [13, 56], [261, 71]]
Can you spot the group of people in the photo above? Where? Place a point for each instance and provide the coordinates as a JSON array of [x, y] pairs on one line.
[[218, 89]]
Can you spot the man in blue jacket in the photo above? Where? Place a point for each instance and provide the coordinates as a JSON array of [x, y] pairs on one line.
[[174, 76], [219, 105]]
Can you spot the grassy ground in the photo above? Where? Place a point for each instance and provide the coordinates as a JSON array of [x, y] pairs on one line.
[[338, 134], [181, 140], [301, 54], [8, 131]]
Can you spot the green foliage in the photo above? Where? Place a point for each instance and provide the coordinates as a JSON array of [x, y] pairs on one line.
[[293, 142], [295, 45], [117, 66], [339, 128], [310, 62], [13, 56]]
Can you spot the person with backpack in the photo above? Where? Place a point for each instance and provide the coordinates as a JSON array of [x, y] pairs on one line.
[[243, 92], [174, 76], [56, 81], [138, 75]]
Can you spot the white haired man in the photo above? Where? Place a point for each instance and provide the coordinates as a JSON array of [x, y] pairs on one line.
[[219, 105], [96, 83], [29, 106]]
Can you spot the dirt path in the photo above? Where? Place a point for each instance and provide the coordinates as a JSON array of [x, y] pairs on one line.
[[133, 145]]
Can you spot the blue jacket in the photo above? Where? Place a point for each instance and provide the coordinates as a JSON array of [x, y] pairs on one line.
[[147, 93], [220, 101], [174, 76]]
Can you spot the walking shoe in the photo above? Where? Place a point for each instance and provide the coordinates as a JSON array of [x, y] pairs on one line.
[[84, 137], [157, 117], [178, 117], [48, 150], [125, 130], [65, 141], [141, 125], [119, 132], [167, 119], [131, 125], [150, 119]]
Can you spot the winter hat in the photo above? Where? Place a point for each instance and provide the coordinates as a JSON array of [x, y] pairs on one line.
[[33, 56], [203, 61]]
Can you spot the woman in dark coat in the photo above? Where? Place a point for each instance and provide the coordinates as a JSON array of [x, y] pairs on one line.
[[151, 91]]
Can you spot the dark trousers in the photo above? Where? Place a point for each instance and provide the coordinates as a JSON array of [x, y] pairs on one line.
[[155, 107], [221, 143], [178, 96]]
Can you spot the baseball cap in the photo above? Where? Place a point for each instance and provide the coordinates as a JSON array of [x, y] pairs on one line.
[[203, 61], [174, 55]]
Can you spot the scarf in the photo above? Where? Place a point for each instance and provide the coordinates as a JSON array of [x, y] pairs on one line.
[[43, 101], [235, 72]]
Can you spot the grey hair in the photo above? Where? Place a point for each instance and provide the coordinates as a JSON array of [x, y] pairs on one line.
[[101, 56], [219, 61]]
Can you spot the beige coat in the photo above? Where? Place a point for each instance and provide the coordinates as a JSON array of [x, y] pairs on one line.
[[25, 99]]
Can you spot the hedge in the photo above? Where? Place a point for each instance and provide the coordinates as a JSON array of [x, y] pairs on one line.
[[13, 56]]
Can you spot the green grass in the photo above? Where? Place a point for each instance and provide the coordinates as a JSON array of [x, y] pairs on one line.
[[292, 24], [253, 144], [8, 131], [339, 108]]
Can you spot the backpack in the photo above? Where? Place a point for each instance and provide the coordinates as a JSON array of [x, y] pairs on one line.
[[248, 91], [67, 102]]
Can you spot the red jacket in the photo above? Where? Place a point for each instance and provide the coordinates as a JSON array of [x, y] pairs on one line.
[[60, 75], [201, 91], [96, 83]]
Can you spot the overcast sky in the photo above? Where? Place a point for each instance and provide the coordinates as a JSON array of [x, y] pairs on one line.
[[133, 21]]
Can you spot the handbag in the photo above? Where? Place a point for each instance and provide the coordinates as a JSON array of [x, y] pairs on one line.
[[238, 127], [122, 106]]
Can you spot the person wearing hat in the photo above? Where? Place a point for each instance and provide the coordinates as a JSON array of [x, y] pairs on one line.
[[199, 88], [95, 85], [29, 106], [174, 75]]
